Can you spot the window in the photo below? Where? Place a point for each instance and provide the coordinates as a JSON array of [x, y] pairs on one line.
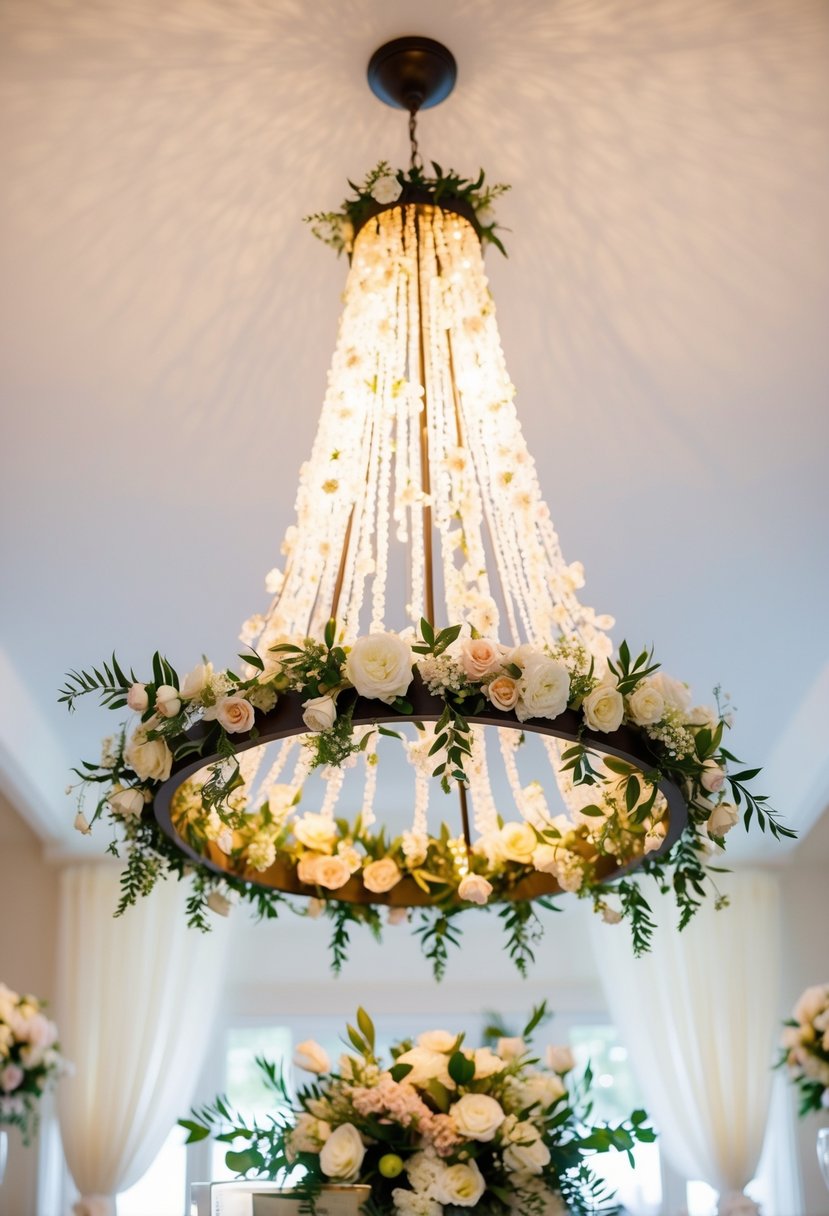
[[162, 1190]]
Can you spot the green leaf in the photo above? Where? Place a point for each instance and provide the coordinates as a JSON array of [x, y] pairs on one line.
[[461, 1068], [400, 1071], [632, 791], [439, 1095], [330, 632], [195, 1131], [248, 1159], [427, 632], [620, 767], [366, 1025]]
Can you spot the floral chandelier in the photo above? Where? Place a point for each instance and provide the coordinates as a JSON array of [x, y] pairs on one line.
[[422, 586]]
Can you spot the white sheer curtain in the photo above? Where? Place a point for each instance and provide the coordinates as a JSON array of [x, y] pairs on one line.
[[699, 1016], [136, 1000]]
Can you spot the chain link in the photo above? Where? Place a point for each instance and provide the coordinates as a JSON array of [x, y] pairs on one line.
[[416, 162]]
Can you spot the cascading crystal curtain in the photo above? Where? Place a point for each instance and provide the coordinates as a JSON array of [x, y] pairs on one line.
[[136, 1001]]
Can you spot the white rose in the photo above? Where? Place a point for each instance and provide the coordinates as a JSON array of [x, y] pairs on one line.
[[167, 701], [560, 1058], [604, 707], [675, 693], [527, 1152], [544, 688], [350, 856], [460, 1185], [195, 682], [511, 1048], [126, 802], [380, 666], [646, 705], [320, 713], [308, 1134], [477, 1116], [310, 1057], [423, 1171], [479, 657], [342, 1154], [235, 714], [437, 1040], [149, 759], [380, 876], [539, 1089], [306, 869], [316, 832], [474, 889], [519, 842], [722, 819], [490, 846], [386, 189], [426, 1065], [137, 698], [503, 692], [487, 1064], [703, 716], [712, 777]]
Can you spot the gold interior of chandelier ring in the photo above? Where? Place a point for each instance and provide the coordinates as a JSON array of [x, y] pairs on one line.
[[285, 720], [415, 196]]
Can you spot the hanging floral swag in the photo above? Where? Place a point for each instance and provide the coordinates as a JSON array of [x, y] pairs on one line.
[[384, 186], [805, 1042], [623, 818]]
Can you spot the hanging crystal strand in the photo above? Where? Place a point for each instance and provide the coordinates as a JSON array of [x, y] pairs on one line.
[[485, 813], [283, 753], [509, 742], [420, 818], [370, 789], [385, 443], [418, 549], [333, 777], [303, 764]]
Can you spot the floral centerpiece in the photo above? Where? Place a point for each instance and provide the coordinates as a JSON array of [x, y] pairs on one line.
[[621, 818], [29, 1059], [805, 1041], [444, 1126]]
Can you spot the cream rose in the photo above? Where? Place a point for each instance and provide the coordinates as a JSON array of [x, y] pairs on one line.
[[386, 189], [380, 876], [703, 716], [544, 688], [308, 1134], [460, 1185], [342, 1154], [235, 714], [811, 1003], [487, 1063], [426, 1065], [331, 873], [320, 713], [511, 1048], [503, 692], [149, 759], [310, 1057], [539, 1089], [604, 707], [712, 777], [137, 698], [195, 682], [167, 701], [306, 870], [479, 657], [722, 819], [675, 693], [477, 1116], [219, 903], [437, 1040], [526, 1152], [316, 832], [646, 705], [126, 802], [519, 842], [560, 1058], [380, 666], [474, 889]]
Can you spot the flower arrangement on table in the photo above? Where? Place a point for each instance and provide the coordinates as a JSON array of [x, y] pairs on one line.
[[444, 1126], [805, 1041], [30, 1059], [622, 820], [384, 186]]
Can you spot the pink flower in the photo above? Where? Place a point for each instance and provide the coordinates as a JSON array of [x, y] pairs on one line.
[[11, 1076], [235, 714], [480, 657], [137, 698]]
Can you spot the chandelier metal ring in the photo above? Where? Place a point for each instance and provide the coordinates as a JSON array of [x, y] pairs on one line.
[[286, 720]]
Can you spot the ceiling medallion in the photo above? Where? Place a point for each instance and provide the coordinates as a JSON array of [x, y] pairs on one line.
[[423, 616]]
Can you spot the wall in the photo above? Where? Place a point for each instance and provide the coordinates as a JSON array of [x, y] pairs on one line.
[[28, 922]]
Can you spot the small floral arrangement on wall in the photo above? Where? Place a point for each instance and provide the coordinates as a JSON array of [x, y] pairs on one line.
[[805, 1041], [30, 1059]]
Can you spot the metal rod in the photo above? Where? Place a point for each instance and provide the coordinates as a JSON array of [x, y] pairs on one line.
[[425, 476], [465, 816], [338, 586]]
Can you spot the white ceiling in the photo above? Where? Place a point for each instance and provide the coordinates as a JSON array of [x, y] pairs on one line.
[[167, 323]]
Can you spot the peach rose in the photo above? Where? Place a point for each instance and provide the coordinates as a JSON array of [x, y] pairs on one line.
[[235, 714]]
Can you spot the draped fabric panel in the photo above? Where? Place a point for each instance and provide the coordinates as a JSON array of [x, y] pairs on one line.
[[137, 997], [699, 1018]]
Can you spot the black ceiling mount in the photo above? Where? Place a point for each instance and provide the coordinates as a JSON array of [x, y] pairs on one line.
[[412, 73]]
